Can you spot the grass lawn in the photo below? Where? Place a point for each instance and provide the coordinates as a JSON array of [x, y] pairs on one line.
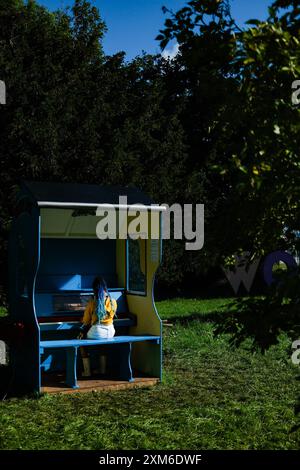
[[213, 396]]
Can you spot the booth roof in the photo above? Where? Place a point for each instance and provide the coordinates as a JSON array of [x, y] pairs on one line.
[[85, 194]]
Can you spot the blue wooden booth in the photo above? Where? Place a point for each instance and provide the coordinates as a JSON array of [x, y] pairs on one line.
[[54, 255]]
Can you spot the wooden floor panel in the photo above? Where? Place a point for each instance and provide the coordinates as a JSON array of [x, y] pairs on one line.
[[55, 384]]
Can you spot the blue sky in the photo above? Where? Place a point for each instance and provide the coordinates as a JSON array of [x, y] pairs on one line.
[[134, 24]]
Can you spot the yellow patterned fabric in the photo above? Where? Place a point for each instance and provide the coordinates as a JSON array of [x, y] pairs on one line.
[[90, 318]]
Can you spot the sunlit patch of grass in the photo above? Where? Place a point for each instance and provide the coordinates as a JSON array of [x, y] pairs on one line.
[[169, 309]]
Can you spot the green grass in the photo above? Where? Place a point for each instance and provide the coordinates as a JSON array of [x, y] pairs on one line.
[[213, 396], [187, 308]]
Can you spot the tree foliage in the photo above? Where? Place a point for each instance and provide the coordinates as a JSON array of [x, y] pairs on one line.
[[253, 134], [215, 125], [75, 114]]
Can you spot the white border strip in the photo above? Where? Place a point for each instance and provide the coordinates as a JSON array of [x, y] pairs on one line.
[[136, 207]]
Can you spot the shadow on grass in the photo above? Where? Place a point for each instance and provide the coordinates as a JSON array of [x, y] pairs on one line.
[[297, 412], [260, 319]]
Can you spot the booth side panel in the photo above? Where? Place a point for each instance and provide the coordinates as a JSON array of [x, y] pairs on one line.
[[148, 321], [147, 357], [23, 264]]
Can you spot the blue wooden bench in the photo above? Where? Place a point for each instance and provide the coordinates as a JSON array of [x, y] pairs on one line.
[[59, 331], [71, 346]]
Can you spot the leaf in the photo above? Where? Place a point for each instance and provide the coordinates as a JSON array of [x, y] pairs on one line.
[[243, 169], [276, 129], [164, 43], [250, 60], [168, 23], [253, 22]]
